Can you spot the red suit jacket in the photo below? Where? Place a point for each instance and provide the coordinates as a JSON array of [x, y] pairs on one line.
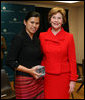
[[59, 53]]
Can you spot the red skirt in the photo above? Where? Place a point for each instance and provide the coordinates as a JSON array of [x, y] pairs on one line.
[[29, 88], [57, 86]]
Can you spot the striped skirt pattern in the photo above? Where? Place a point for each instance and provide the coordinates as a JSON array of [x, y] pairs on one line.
[[29, 88]]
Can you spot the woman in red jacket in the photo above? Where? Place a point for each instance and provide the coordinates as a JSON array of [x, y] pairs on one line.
[[59, 57]]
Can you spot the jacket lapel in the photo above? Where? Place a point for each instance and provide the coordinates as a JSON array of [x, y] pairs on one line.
[[55, 38]]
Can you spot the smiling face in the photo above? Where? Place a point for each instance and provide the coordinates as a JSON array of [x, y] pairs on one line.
[[32, 24], [56, 21]]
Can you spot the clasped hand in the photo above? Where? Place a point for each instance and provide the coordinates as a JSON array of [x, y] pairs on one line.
[[34, 73]]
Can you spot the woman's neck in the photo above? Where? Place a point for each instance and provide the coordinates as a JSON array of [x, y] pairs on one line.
[[55, 31], [30, 34]]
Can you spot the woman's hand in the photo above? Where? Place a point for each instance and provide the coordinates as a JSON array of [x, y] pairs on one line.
[[31, 71], [72, 86], [34, 73]]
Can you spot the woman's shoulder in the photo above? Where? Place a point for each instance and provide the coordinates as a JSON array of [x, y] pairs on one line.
[[18, 37], [43, 34], [68, 34], [20, 34]]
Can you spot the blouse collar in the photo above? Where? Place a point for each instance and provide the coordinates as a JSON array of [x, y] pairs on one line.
[[27, 35], [59, 36]]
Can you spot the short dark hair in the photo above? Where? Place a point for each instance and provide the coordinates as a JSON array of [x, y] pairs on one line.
[[32, 14]]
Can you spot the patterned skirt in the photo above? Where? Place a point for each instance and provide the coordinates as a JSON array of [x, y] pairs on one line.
[[29, 88]]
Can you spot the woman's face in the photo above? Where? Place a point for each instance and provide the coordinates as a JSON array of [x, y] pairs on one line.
[[32, 24], [56, 20]]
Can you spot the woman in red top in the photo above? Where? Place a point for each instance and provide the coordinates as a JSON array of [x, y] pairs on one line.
[[59, 57]]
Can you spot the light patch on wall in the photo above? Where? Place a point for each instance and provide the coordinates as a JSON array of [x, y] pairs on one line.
[[14, 19], [4, 8], [67, 1], [4, 30]]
